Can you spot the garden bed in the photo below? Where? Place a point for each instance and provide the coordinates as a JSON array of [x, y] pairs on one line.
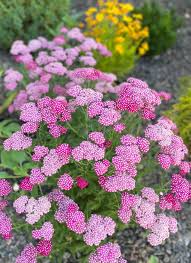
[[162, 73]]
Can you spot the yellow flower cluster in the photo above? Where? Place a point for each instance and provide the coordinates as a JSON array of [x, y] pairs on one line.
[[114, 24]]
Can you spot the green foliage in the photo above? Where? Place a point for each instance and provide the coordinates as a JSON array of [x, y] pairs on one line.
[[14, 164], [162, 24], [153, 259], [181, 111], [26, 19]]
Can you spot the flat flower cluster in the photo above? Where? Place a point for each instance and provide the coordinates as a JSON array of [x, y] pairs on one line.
[[107, 154]]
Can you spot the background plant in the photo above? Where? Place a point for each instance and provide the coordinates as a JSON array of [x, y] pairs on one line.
[[27, 19], [163, 25], [113, 24], [180, 111]]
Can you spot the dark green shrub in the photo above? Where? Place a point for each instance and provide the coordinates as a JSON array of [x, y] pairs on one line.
[[26, 19], [162, 24]]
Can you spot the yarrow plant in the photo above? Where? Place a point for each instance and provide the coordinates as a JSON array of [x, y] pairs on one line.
[[88, 141], [120, 28]]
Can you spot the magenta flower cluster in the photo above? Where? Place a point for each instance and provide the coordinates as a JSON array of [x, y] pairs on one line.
[[63, 84]]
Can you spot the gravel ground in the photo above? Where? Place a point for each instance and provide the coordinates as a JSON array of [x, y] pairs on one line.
[[161, 72]]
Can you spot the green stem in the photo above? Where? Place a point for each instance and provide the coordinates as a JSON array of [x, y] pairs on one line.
[[12, 177], [7, 102], [74, 130]]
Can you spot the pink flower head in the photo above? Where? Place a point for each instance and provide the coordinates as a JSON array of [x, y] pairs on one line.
[[28, 255], [119, 127], [5, 226], [5, 187], [135, 95], [88, 151], [150, 194], [180, 187], [30, 113], [34, 45], [45, 232], [36, 176], [12, 78], [39, 152], [143, 144], [97, 137], [59, 40], [97, 229], [87, 74], [18, 47], [161, 229], [165, 95], [55, 68], [30, 127], [75, 221], [65, 182], [19, 101], [52, 163], [170, 202], [107, 253], [26, 184], [101, 167], [18, 141], [75, 33], [20, 204], [128, 201], [3, 204], [184, 167], [44, 247], [81, 182], [119, 182]]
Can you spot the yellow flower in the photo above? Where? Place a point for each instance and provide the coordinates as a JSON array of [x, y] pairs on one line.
[[119, 48], [81, 25], [145, 46], [100, 2], [90, 11], [99, 17], [119, 39], [127, 19], [141, 51], [138, 16], [125, 8], [114, 20], [145, 32], [111, 4]]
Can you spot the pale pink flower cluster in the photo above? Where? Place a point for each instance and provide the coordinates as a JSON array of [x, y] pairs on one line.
[[45, 59], [129, 154], [97, 229], [84, 96], [88, 151], [108, 253], [5, 221], [48, 110], [18, 141], [5, 187], [144, 207], [33, 208], [180, 193], [105, 111], [45, 232], [136, 96], [65, 182], [28, 255], [12, 78], [68, 212], [172, 148]]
